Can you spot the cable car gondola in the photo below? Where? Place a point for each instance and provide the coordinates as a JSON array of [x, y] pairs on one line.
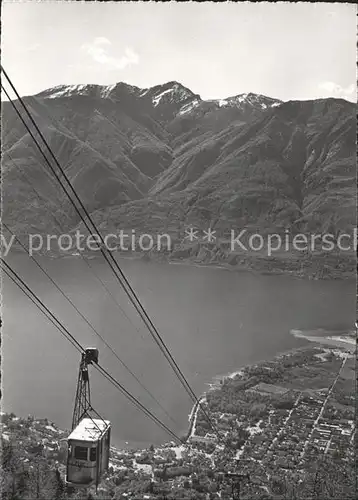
[[89, 441], [88, 452]]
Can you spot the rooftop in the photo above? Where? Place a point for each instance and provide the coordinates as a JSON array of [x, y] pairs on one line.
[[89, 429]]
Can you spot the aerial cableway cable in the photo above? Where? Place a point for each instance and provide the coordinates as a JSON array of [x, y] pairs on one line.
[[105, 251], [38, 303], [130, 292], [89, 324], [28, 181], [67, 334], [82, 256], [125, 285]]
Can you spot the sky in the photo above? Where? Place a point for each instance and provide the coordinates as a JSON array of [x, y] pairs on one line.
[[282, 50]]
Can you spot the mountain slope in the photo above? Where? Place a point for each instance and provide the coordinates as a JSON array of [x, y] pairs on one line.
[[159, 158], [283, 170]]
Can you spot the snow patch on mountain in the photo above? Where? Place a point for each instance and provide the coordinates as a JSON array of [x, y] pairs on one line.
[[240, 98], [168, 93], [66, 90], [158, 98], [100, 91], [175, 93], [255, 100], [105, 91], [189, 107]]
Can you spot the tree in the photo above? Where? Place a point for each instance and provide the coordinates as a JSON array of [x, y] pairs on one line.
[[22, 482], [59, 486], [10, 465], [330, 480], [7, 455]]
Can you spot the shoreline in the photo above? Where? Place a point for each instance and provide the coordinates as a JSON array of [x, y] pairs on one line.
[[217, 380], [249, 266], [339, 340], [239, 268]]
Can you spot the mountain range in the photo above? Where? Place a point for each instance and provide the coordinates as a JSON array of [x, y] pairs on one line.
[[162, 159]]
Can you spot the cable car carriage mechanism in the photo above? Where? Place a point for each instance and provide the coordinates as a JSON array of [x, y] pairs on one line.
[[89, 441]]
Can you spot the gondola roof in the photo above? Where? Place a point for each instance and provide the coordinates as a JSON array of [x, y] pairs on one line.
[[89, 430]]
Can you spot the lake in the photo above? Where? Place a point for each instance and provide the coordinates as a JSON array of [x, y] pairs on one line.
[[213, 320]]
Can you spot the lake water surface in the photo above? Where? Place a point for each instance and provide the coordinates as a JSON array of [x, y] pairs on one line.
[[214, 321]]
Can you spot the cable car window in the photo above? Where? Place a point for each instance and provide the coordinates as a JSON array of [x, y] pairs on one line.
[[93, 454], [81, 453]]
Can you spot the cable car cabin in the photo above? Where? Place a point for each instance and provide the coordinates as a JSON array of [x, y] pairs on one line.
[[88, 452]]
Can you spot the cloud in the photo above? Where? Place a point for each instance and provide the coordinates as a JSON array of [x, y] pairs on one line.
[[101, 40], [335, 90], [98, 50], [32, 47]]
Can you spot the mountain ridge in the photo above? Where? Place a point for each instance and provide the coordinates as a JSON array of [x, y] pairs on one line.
[[105, 91], [163, 157]]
